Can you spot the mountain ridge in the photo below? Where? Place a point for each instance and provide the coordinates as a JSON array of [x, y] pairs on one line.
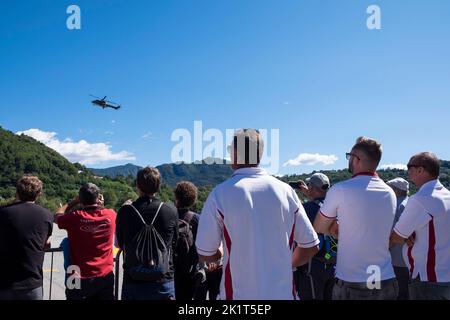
[[208, 172]]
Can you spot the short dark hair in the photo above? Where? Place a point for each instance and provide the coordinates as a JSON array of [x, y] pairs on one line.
[[148, 180], [88, 194], [428, 161], [370, 147], [185, 194], [28, 188]]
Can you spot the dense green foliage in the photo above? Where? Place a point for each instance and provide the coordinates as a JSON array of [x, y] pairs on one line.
[[128, 170], [201, 174], [21, 155]]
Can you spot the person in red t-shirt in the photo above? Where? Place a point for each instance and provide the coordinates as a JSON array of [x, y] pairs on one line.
[[90, 232]]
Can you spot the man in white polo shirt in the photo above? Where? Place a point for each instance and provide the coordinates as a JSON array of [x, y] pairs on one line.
[[364, 207], [258, 218], [425, 225]]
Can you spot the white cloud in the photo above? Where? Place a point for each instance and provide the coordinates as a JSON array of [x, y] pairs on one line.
[[311, 159], [85, 131], [78, 151], [398, 166], [147, 135]]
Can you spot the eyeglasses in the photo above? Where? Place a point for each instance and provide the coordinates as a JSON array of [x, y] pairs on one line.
[[348, 155]]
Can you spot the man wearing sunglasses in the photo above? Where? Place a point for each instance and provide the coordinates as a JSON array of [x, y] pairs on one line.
[[365, 208], [425, 227]]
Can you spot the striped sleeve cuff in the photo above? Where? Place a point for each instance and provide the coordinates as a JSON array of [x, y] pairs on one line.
[[323, 214], [206, 253], [401, 234], [310, 244]]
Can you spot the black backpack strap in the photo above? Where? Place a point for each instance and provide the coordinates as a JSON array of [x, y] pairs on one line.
[[156, 214], [140, 216], [138, 213]]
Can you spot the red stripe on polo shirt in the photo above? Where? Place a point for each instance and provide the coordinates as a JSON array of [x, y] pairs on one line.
[[228, 279], [411, 260], [326, 215], [371, 174], [293, 290], [431, 261], [291, 237], [291, 242]]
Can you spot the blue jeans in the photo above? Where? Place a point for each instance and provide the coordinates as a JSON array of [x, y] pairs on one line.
[[148, 291], [11, 294]]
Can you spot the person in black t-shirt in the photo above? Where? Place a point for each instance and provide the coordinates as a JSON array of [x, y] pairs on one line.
[[128, 225], [25, 229]]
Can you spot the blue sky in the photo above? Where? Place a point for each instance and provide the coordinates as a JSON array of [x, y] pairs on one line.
[[311, 69]]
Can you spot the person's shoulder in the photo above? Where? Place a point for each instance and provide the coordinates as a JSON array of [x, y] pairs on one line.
[[108, 211], [278, 183], [342, 185], [72, 215], [421, 198], [127, 206], [228, 183], [381, 185], [417, 197], [43, 211], [169, 207], [10, 206]]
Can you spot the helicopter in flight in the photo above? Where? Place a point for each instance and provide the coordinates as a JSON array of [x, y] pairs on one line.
[[103, 103]]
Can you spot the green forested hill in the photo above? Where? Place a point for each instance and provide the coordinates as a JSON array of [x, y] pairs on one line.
[[202, 174], [23, 155], [127, 170]]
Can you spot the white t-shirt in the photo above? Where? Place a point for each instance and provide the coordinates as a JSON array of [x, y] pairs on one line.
[[258, 218], [427, 213], [365, 208]]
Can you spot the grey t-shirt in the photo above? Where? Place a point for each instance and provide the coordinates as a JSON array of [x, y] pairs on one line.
[[396, 250]]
